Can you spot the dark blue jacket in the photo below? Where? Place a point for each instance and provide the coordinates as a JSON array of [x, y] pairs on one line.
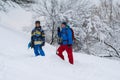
[[37, 34], [66, 36]]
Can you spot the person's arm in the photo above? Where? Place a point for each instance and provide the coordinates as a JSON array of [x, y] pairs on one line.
[[43, 38], [59, 32], [70, 41], [31, 36], [30, 44]]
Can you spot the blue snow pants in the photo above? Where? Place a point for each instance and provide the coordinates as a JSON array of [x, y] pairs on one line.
[[38, 50]]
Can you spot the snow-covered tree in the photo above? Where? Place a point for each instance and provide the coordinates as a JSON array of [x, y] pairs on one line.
[[22, 3], [101, 29], [96, 27], [56, 11]]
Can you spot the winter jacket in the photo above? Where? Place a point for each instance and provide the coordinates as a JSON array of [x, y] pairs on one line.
[[66, 36], [38, 36]]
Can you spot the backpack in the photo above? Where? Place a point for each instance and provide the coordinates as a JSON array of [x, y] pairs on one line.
[[73, 35]]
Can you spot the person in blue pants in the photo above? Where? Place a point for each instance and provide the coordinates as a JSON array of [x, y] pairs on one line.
[[37, 39], [38, 50]]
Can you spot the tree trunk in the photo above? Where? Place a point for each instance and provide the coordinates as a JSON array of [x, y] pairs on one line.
[[52, 39]]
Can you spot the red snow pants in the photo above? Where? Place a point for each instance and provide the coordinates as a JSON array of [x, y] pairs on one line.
[[68, 50]]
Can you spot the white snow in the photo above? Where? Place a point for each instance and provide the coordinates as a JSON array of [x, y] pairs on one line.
[[16, 18], [19, 63]]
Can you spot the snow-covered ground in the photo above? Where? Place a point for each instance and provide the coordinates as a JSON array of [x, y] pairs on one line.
[[19, 63]]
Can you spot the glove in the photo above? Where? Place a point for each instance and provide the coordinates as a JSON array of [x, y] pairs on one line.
[[59, 40], [58, 29], [43, 44], [69, 45], [29, 45]]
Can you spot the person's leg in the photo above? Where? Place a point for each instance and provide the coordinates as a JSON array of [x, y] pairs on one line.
[[41, 52], [36, 50], [60, 52], [70, 54]]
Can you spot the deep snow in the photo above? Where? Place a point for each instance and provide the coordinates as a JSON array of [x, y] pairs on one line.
[[19, 63]]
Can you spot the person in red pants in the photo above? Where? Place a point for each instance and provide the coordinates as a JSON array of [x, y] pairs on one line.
[[65, 40]]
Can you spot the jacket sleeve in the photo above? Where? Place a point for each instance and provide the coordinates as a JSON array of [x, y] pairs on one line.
[[32, 36], [70, 41], [43, 36], [59, 34], [32, 40]]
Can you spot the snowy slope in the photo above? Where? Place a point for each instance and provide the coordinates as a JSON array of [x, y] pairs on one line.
[[19, 63], [16, 18]]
